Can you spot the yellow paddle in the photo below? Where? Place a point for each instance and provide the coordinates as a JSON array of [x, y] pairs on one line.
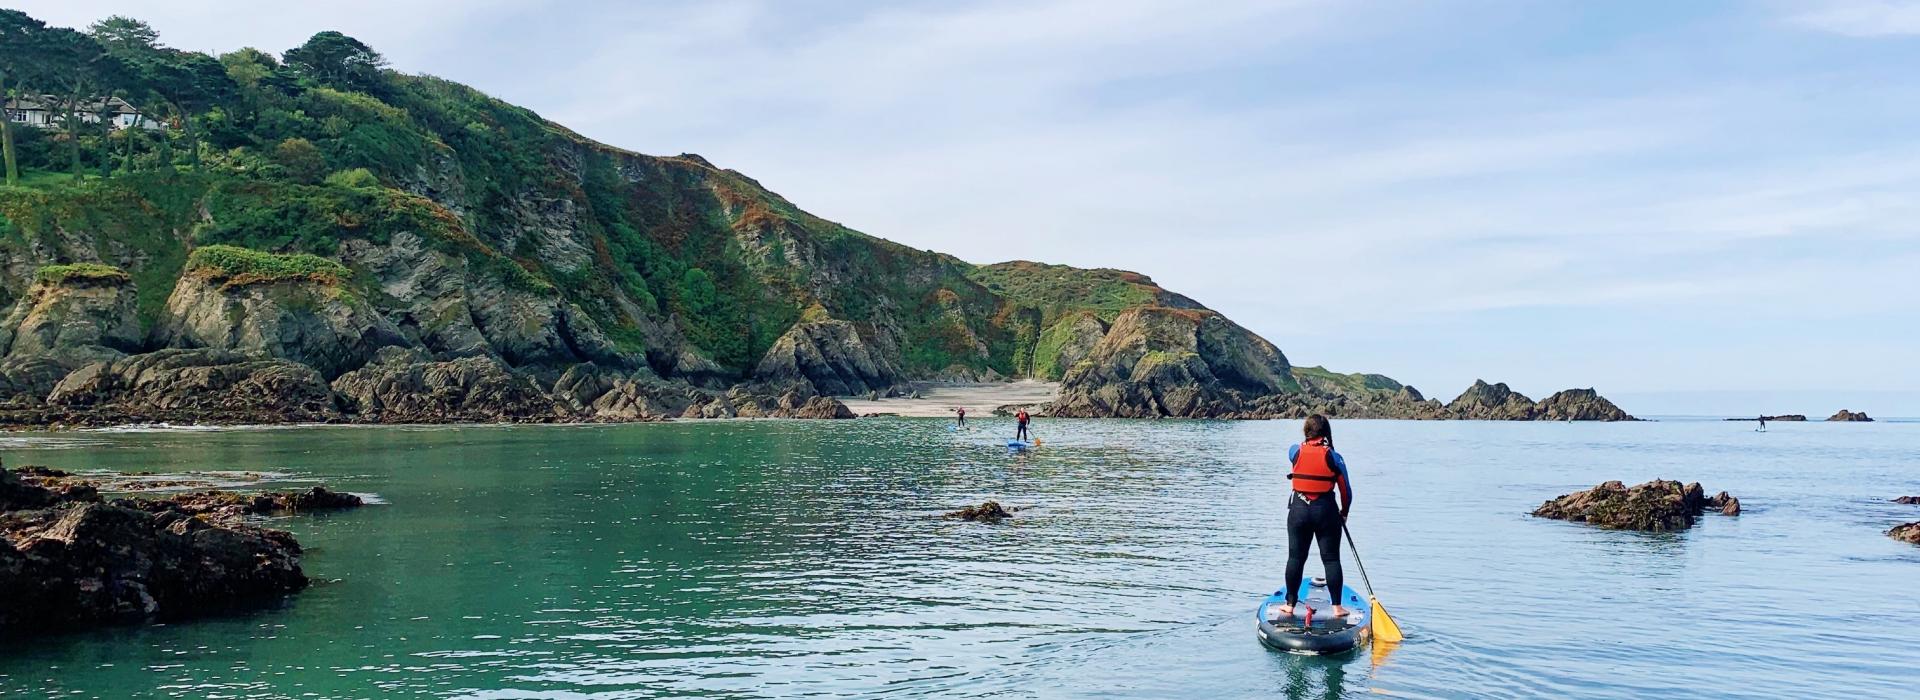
[[1384, 628]]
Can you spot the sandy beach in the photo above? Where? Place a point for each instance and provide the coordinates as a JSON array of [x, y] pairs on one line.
[[939, 400]]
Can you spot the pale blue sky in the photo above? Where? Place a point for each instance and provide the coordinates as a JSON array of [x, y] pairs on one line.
[[1636, 196]]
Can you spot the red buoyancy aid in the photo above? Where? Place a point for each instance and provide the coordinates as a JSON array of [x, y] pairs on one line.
[[1313, 472]]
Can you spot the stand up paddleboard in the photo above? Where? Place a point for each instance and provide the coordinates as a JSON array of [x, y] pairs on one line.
[[1320, 634], [1017, 445]]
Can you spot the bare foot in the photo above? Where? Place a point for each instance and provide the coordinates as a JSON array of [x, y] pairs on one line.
[[1340, 611], [1286, 609]]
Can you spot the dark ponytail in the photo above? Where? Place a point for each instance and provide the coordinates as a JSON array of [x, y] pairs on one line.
[[1318, 428]]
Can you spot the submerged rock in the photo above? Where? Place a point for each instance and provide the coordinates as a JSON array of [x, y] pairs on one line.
[[229, 505], [69, 561], [1908, 533], [1657, 506], [990, 510], [1846, 416]]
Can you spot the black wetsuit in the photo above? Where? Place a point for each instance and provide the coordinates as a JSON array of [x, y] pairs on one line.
[[1308, 522]]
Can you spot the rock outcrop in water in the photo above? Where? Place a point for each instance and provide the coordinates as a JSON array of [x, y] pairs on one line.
[[1784, 418], [1908, 500], [69, 560], [1656, 506], [1846, 416], [1908, 533], [988, 511]]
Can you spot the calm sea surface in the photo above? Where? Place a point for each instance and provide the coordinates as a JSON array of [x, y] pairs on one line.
[[792, 558]]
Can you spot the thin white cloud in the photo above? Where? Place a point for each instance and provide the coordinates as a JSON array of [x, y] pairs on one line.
[[1861, 18]]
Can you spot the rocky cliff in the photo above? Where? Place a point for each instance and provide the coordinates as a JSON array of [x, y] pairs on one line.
[[468, 260]]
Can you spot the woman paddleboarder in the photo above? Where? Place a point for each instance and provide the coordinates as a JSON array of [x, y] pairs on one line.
[[1311, 513]]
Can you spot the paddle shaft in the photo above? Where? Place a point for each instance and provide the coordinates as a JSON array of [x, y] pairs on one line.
[[1356, 558]]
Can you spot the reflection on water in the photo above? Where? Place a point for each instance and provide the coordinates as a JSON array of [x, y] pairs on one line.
[[774, 558]]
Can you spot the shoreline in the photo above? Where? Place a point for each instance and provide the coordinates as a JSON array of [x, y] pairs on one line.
[[939, 399]]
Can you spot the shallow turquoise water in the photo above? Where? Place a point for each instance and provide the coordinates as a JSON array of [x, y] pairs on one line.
[[789, 558]]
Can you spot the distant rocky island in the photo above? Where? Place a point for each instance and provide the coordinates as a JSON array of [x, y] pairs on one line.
[[1844, 416], [319, 238]]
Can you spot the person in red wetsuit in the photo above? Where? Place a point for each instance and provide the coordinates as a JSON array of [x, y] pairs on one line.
[[962, 411], [1311, 514]]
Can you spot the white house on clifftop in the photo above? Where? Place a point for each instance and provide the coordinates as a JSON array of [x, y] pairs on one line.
[[43, 111]]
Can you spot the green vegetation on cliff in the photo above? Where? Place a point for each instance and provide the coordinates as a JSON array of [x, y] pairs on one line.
[[81, 272], [240, 266]]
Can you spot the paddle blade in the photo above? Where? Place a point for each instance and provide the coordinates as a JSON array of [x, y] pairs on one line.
[[1384, 628]]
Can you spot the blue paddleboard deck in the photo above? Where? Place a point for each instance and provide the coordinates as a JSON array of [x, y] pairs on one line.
[[1325, 634]]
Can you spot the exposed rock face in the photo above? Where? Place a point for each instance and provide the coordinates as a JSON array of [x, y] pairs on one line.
[[1579, 404], [76, 562], [1484, 401], [78, 320], [214, 386], [467, 390], [1849, 416], [1067, 342], [1162, 362], [1654, 506], [65, 323], [989, 511], [318, 324], [829, 357], [1908, 533], [444, 305]]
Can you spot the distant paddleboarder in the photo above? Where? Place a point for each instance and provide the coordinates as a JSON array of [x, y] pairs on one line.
[[1021, 418], [962, 413], [1763, 424]]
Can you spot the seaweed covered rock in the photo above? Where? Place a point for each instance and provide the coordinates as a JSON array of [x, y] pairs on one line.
[[230, 505], [1908, 533], [71, 562], [1656, 506], [1908, 500], [467, 390], [988, 511], [202, 385]]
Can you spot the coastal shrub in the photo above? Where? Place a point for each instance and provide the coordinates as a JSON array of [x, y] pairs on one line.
[[81, 272], [240, 266], [301, 160], [353, 178]]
